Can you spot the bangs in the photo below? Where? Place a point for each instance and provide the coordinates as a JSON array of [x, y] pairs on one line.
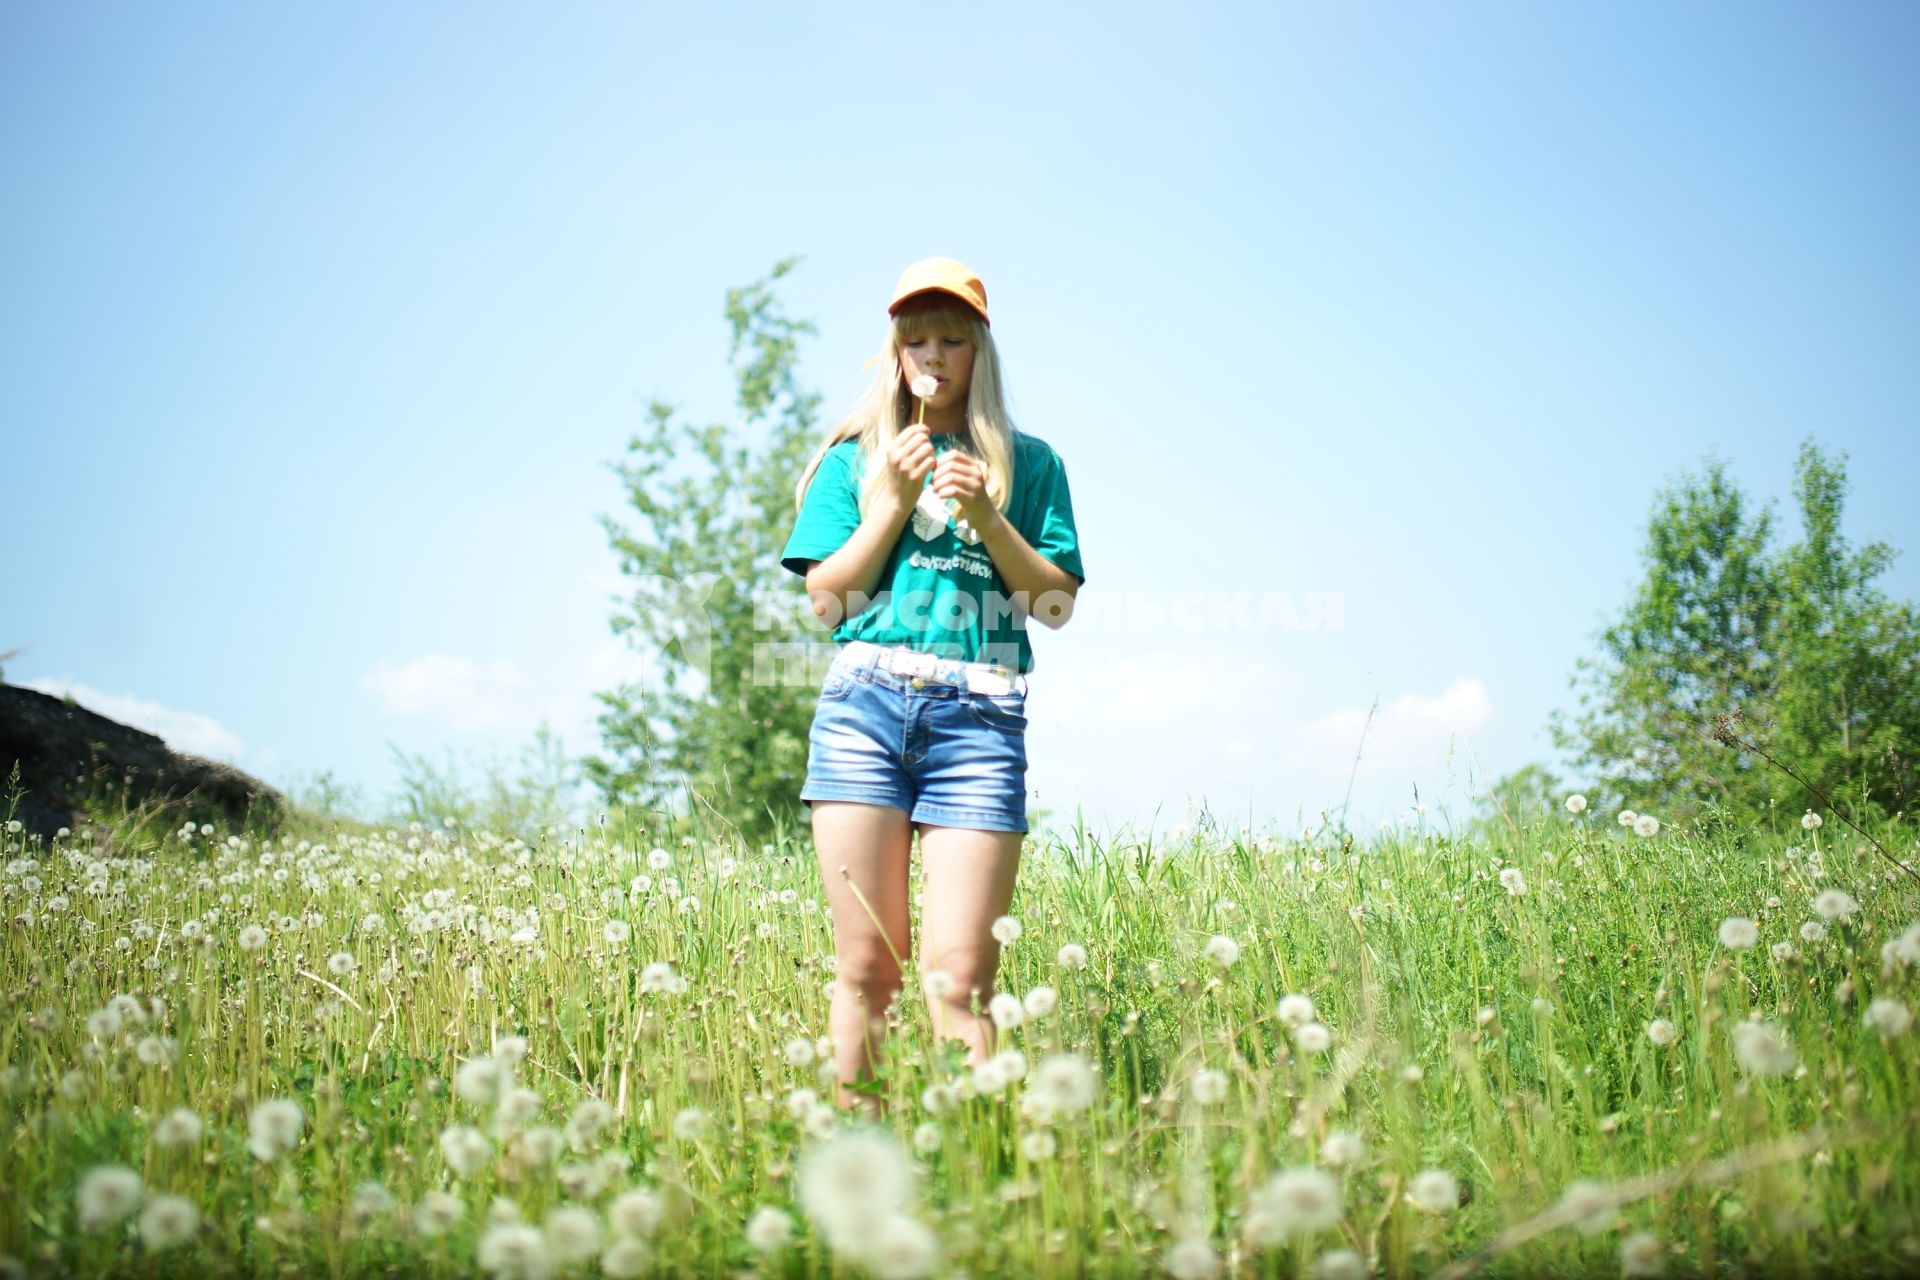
[[933, 314]]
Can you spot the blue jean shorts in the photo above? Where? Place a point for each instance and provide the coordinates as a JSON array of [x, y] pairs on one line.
[[950, 756]]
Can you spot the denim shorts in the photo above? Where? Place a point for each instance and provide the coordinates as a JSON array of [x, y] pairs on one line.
[[948, 755]]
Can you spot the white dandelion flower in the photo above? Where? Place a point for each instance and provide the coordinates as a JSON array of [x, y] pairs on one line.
[[180, 1127], [1339, 1264], [616, 932], [168, 1220], [1834, 904], [573, 1234], [1646, 825], [1576, 803], [539, 1148], [1662, 1032], [274, 1128], [1889, 1017], [341, 963], [1208, 1086], [659, 859], [1513, 881], [799, 1052], [1626, 817], [589, 1119], [107, 1195], [690, 1124], [1737, 933], [1299, 1201], [1312, 1037], [802, 1101], [1811, 821], [659, 976], [926, 386], [103, 1024], [1039, 1002], [769, 1230], [481, 1081], [626, 1259], [515, 1251], [465, 1149], [1005, 1010], [1294, 1010], [253, 938], [1813, 931], [1039, 1144], [852, 1180], [1222, 951], [1006, 931], [1343, 1147], [438, 1213], [1435, 1190], [1762, 1049], [937, 983], [1062, 1085], [900, 1247], [637, 1212], [926, 1138], [1072, 956], [939, 1098], [1193, 1258], [1640, 1255], [1590, 1200]]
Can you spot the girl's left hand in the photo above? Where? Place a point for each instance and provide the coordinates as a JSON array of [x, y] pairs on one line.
[[961, 477]]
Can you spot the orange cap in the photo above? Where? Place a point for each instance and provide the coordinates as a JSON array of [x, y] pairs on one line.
[[942, 275]]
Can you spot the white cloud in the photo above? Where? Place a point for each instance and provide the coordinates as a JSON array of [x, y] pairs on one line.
[[466, 694], [1409, 733], [187, 731]]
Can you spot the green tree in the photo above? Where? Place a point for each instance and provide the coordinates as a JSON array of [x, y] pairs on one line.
[[1819, 663], [722, 718]]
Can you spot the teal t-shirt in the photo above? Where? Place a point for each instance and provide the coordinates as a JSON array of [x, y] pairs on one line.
[[939, 591]]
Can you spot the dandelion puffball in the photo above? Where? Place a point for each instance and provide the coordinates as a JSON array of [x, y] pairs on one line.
[[1646, 824], [925, 385], [1513, 881], [1576, 804], [107, 1195], [1762, 1049], [1889, 1017], [1737, 933], [1435, 1190], [1834, 904], [1300, 1201], [1294, 1009], [1811, 821], [1062, 1085]]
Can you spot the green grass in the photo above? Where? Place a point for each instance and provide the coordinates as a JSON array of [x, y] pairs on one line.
[[1501, 1038]]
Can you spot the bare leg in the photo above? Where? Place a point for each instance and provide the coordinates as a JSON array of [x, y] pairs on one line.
[[870, 843], [969, 885]]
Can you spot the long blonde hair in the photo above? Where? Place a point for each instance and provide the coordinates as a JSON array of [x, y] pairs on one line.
[[886, 406]]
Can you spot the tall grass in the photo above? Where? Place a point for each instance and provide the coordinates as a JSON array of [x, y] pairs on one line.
[[1494, 1029]]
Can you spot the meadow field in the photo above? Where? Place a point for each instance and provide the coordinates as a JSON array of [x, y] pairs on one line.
[[1584, 1047]]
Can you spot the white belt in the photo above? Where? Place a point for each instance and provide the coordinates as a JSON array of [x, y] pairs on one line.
[[978, 677]]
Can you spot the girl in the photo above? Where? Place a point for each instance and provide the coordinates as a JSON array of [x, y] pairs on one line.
[[927, 495]]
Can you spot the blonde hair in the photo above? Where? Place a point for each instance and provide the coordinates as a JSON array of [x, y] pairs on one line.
[[886, 406]]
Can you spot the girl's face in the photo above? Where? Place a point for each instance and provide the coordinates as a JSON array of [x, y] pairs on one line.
[[948, 357]]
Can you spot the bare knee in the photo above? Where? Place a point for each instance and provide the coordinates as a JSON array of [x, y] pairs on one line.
[[870, 973], [972, 972]]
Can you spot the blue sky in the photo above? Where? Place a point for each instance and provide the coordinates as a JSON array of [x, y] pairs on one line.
[[322, 322]]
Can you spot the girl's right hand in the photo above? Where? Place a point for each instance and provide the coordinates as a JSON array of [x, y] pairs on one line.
[[909, 459]]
